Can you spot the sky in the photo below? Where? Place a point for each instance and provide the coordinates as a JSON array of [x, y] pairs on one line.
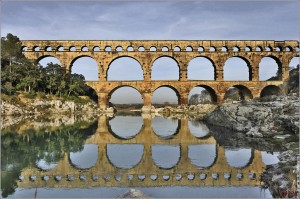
[[157, 20]]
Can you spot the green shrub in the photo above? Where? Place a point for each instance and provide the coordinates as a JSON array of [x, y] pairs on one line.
[[42, 95], [31, 94]]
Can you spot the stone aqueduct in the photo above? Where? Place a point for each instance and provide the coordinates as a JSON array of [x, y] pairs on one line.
[[182, 51], [184, 173]]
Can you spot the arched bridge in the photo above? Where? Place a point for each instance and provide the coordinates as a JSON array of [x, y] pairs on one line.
[[147, 172], [146, 52]]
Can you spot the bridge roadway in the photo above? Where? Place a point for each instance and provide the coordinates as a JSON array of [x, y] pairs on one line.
[[146, 52], [143, 174]]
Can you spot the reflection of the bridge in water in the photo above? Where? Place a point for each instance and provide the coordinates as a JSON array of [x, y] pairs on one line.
[[146, 170]]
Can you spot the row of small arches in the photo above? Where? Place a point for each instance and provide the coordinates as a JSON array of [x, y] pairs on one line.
[[141, 177], [166, 49]]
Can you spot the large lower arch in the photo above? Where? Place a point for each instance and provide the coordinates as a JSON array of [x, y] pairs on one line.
[[86, 158], [165, 68], [165, 156], [165, 95], [238, 92], [202, 94], [125, 127], [165, 128], [87, 66], [201, 68], [294, 63], [270, 68], [45, 60], [239, 158], [124, 68], [124, 156], [237, 68], [202, 155], [270, 90], [125, 95]]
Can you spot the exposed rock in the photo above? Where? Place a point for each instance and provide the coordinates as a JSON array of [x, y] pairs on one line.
[[39, 106], [133, 193], [272, 122], [259, 118]]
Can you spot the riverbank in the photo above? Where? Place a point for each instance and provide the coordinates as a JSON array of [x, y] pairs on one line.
[[265, 123], [18, 105]]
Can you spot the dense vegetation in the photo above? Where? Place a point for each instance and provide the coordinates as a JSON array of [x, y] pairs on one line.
[[20, 74], [19, 151]]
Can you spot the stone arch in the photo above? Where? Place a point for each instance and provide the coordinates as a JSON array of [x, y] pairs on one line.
[[177, 49], [248, 49], [266, 62], [189, 49], [224, 49], [24, 48], [164, 128], [133, 125], [270, 90], [175, 90], [210, 90], [288, 49], [90, 74], [96, 49], [60, 48], [72, 49], [211, 74], [199, 152], [36, 48], [84, 49], [168, 160], [236, 157], [133, 75], [119, 151], [137, 93], [228, 75], [56, 61], [199, 129], [78, 159], [241, 92], [44, 164], [129, 49], [157, 71], [48, 49]]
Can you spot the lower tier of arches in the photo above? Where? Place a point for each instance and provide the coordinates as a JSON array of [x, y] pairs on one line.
[[219, 91]]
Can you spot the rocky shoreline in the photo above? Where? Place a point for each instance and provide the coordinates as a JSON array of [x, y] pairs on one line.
[[45, 107], [266, 123]]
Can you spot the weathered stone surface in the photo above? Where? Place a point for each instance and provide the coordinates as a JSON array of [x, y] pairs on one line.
[[259, 119], [216, 88], [38, 106]]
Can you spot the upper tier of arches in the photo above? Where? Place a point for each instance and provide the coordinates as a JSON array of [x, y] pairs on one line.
[[223, 46]]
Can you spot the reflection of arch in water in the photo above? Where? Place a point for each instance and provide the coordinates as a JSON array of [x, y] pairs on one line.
[[192, 128], [43, 165], [198, 152], [166, 153], [166, 125], [82, 159], [116, 152], [238, 154], [116, 134]]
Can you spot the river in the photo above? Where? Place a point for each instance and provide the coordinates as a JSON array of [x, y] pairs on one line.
[[108, 155]]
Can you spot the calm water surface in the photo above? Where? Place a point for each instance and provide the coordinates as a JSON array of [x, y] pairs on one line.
[[104, 158]]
